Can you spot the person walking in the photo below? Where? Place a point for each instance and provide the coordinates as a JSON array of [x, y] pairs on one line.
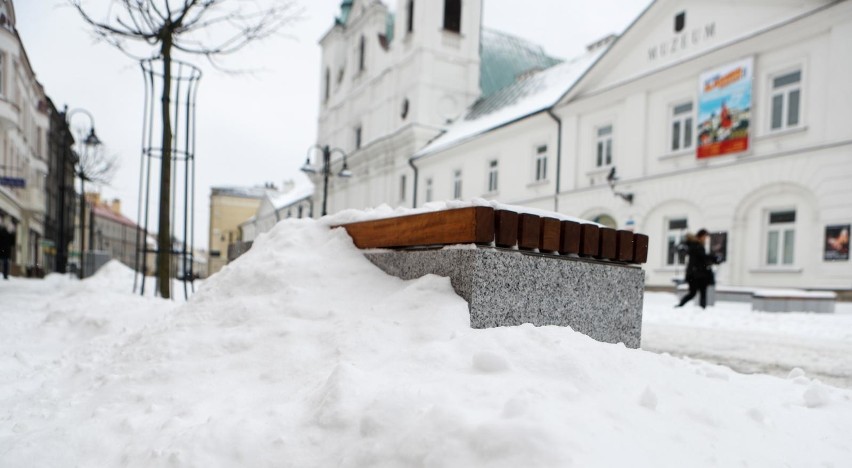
[[7, 243], [699, 274]]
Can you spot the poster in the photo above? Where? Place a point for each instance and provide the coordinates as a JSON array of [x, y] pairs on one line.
[[836, 242], [719, 246], [724, 109]]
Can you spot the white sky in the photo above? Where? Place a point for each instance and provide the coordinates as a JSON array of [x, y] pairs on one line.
[[252, 128]]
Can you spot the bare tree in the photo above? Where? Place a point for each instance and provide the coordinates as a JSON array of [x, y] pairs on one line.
[[210, 28]]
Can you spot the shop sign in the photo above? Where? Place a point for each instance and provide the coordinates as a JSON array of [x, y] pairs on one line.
[[15, 182], [724, 109]]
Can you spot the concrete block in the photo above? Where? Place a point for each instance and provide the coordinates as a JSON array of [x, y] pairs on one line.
[[506, 287]]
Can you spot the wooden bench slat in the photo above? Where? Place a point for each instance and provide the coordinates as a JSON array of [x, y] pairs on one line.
[[529, 231], [569, 237], [640, 248], [474, 225], [549, 239], [590, 240], [608, 241], [505, 228], [624, 246]]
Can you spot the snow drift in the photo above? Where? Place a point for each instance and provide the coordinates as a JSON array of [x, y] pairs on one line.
[[302, 353]]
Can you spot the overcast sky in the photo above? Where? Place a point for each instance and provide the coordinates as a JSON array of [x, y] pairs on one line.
[[252, 128]]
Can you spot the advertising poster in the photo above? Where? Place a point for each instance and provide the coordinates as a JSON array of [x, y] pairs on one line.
[[719, 245], [836, 242], [724, 109]]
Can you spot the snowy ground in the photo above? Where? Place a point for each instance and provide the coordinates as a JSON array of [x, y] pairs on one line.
[[730, 333], [302, 353]]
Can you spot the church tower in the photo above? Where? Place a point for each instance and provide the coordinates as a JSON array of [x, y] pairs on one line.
[[390, 81]]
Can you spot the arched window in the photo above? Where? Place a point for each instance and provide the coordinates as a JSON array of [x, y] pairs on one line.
[[606, 220], [452, 15]]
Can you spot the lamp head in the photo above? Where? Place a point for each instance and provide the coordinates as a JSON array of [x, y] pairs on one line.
[[92, 139]]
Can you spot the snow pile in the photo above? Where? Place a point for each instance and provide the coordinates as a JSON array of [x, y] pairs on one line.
[[301, 353]]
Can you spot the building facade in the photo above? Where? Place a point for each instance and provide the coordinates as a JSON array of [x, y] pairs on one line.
[[229, 206], [59, 192], [728, 116], [24, 123], [392, 82], [291, 201]]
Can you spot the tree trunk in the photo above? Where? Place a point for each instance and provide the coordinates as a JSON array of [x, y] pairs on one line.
[[164, 245], [82, 224]]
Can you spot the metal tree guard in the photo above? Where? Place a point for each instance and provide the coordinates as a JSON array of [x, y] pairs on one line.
[[184, 88]]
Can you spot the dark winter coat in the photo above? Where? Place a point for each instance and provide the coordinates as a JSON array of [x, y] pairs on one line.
[[7, 242], [698, 267]]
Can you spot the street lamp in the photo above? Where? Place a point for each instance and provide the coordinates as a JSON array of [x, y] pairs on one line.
[[88, 144], [325, 169]]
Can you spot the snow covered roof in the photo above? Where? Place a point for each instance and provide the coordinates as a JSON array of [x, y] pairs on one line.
[[241, 192], [106, 212], [505, 58], [528, 96], [284, 199]]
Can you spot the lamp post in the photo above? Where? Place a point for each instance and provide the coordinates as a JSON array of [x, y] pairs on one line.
[[88, 144], [325, 169]]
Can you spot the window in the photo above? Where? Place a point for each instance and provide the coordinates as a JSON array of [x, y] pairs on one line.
[[410, 11], [541, 163], [786, 100], [682, 126], [457, 184], [780, 238], [2, 74], [676, 229], [492, 176], [428, 190], [604, 146], [452, 15], [327, 85], [362, 48], [358, 137], [402, 187]]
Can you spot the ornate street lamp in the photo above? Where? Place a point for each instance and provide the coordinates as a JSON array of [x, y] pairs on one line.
[[325, 169], [87, 146]]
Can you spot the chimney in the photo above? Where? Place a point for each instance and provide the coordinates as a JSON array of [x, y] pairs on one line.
[[116, 206], [94, 198]]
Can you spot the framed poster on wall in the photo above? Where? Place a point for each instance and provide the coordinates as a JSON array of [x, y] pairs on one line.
[[836, 243], [719, 245], [724, 109]]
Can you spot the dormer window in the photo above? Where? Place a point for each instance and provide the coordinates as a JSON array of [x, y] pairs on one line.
[[452, 15]]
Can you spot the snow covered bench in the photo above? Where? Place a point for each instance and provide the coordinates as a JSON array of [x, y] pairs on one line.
[[515, 267], [791, 300]]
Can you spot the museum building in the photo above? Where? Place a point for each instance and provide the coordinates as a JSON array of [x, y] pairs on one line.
[[729, 116]]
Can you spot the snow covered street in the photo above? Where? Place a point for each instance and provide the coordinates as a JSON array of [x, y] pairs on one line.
[[277, 361], [729, 333]]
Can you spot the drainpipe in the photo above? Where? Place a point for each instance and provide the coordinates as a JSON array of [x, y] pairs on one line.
[[558, 157], [414, 198]]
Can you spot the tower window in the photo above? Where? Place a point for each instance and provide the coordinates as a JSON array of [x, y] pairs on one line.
[[452, 15], [410, 8], [327, 84], [362, 47]]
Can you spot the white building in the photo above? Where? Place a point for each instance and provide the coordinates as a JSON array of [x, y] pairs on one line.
[[392, 82], [733, 116], [24, 123], [292, 201]]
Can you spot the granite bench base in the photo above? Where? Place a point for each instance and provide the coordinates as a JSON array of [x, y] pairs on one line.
[[508, 287]]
